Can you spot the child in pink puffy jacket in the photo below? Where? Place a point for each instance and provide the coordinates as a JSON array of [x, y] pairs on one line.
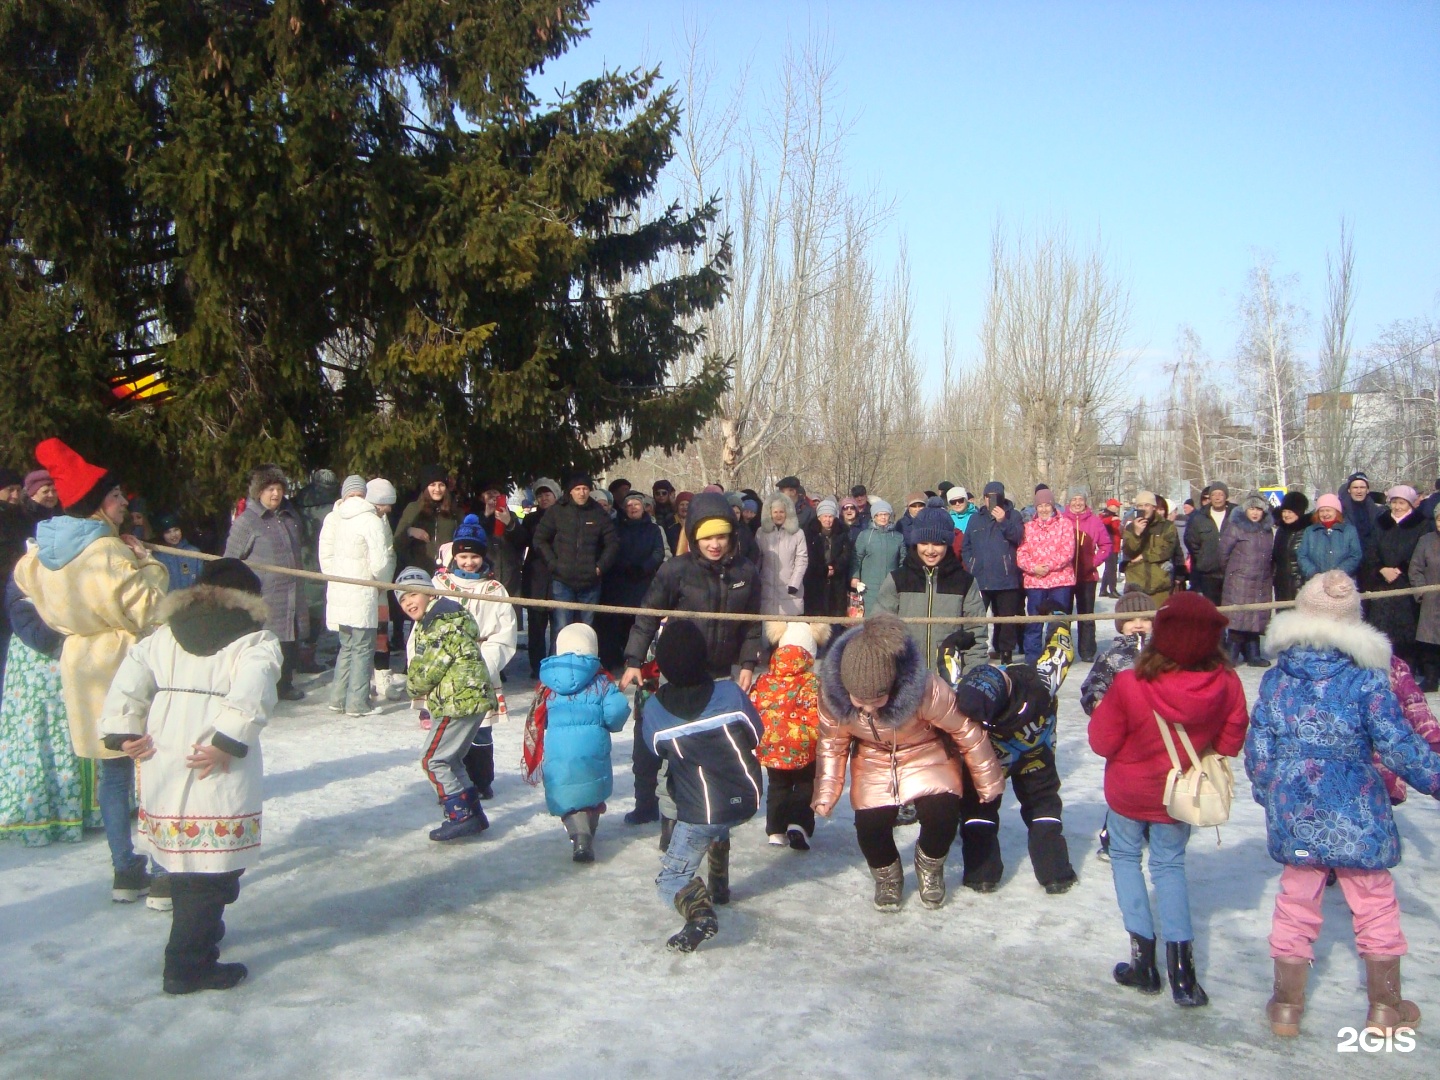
[[1417, 715], [1046, 558]]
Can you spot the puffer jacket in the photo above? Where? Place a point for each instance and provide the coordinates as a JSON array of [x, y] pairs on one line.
[[1416, 711], [907, 749], [1049, 542], [916, 591], [1246, 549], [877, 552], [1209, 704], [714, 776], [578, 543], [1124, 650], [354, 543], [447, 667], [1148, 558], [989, 549], [1335, 548], [1202, 539], [784, 558], [691, 582], [1323, 711], [787, 697], [584, 710]]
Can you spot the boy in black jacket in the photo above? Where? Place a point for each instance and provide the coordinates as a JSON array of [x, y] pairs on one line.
[[708, 732]]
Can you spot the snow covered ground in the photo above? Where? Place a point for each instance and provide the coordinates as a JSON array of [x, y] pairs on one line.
[[375, 953]]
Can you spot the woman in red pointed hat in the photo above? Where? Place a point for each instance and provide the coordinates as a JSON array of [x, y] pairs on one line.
[[100, 590]]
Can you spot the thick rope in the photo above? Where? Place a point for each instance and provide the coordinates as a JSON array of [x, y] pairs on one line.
[[737, 616]]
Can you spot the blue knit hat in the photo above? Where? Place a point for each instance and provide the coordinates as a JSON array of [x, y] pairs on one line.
[[469, 536], [932, 526], [983, 693]]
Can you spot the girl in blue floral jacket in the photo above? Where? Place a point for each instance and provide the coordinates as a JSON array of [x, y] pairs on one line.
[[1323, 713]]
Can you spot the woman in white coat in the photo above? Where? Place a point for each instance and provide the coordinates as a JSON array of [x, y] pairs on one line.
[[783, 558], [355, 542], [188, 704], [468, 570]]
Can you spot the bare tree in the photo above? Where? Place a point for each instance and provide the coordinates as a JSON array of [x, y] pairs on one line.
[[1330, 417], [1267, 370]]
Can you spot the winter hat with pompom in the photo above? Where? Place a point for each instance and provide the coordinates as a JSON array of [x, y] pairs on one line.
[[871, 657], [579, 638], [1331, 595], [469, 536]]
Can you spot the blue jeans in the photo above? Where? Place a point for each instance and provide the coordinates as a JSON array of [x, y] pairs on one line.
[[354, 670], [688, 846], [1035, 632], [117, 784], [1167, 874], [563, 617]]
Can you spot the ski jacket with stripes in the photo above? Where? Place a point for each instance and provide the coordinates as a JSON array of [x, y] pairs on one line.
[[714, 774]]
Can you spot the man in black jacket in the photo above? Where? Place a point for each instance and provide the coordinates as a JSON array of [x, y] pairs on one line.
[[1202, 540], [711, 576], [535, 577], [576, 538]]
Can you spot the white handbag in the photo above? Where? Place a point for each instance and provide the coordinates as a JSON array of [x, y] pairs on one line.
[[1200, 795]]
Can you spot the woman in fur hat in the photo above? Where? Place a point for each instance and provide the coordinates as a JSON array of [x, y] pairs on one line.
[[270, 531], [1321, 714], [100, 589], [784, 557], [877, 694], [1290, 525], [188, 705]]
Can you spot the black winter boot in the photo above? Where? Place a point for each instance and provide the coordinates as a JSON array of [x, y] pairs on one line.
[[1141, 972], [642, 815], [1253, 658], [1185, 988], [480, 767], [980, 856], [129, 885], [719, 883], [667, 829], [693, 902], [577, 824]]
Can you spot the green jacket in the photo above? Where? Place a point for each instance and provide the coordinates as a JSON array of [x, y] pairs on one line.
[[447, 667], [1147, 557]]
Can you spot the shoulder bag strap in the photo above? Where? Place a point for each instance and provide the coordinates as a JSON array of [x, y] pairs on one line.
[[1169, 741], [1189, 746]]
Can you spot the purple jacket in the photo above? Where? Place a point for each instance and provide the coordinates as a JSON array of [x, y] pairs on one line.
[[1098, 547]]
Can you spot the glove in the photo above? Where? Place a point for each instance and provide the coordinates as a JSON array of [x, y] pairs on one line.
[[951, 656], [792, 590]]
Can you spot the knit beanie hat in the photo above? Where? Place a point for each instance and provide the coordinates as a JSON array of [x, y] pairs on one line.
[[165, 522], [412, 575], [682, 654], [662, 485], [1043, 494], [735, 499], [601, 496], [1403, 491], [932, 526], [1187, 628], [544, 483], [1081, 490], [1331, 595], [578, 638], [380, 492], [1130, 605], [469, 536], [1219, 485], [871, 656], [230, 574], [1145, 498], [880, 506], [996, 488], [1329, 502], [915, 497], [353, 485], [34, 481], [827, 506], [636, 494], [956, 493], [983, 693], [433, 474], [849, 503], [82, 487]]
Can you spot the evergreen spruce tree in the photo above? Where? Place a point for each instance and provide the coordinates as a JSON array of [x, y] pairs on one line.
[[344, 233]]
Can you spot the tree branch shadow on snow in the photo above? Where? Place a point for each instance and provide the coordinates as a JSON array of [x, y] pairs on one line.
[[319, 774]]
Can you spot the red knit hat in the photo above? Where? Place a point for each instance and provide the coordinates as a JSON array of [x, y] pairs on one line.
[[1187, 629], [82, 487]]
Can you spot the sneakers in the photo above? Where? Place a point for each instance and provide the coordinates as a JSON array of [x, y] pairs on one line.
[[219, 977], [130, 885], [776, 839], [795, 836], [369, 710], [159, 898], [425, 722], [289, 693]]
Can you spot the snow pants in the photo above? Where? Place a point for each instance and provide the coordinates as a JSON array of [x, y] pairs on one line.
[[1036, 782], [787, 799], [196, 922], [1299, 915], [443, 759]]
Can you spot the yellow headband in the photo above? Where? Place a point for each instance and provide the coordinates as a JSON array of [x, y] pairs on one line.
[[713, 527]]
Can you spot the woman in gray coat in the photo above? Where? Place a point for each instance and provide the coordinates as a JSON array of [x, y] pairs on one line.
[[270, 531], [1247, 546]]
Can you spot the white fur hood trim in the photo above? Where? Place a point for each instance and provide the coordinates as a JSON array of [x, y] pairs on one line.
[[1367, 646]]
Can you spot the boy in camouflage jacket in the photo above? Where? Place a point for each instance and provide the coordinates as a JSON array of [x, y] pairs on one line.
[[446, 667]]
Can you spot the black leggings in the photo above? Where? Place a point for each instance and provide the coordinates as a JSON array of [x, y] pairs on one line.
[[939, 820]]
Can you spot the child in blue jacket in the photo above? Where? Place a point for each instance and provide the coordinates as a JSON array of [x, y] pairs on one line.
[[583, 707], [707, 732]]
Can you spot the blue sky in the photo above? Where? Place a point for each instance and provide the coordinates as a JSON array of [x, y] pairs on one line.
[[1191, 136]]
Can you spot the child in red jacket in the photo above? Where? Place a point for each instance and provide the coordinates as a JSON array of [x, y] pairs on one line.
[[788, 701], [1182, 678]]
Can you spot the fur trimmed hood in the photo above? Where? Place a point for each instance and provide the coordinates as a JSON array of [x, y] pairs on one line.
[[1368, 647], [792, 519], [206, 618], [906, 694]]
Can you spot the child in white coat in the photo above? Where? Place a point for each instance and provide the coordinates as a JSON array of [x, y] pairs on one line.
[[188, 704]]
